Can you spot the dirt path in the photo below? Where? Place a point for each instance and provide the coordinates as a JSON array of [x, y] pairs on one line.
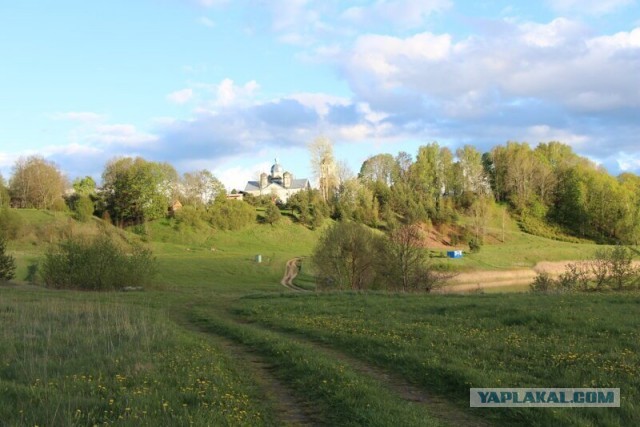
[[437, 406], [290, 273], [290, 408], [465, 282]]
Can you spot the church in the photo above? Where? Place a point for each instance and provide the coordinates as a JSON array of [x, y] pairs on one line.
[[279, 184]]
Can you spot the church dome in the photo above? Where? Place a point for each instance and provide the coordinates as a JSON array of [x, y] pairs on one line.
[[276, 170]]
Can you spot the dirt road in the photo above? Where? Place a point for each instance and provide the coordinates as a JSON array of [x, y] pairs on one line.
[[290, 273], [495, 279]]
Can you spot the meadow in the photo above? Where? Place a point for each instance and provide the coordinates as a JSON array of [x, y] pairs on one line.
[[218, 341]]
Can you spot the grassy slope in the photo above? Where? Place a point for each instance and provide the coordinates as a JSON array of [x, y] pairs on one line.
[[192, 273]]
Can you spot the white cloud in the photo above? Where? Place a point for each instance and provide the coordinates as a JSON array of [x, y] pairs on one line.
[[181, 96], [120, 134], [629, 162], [590, 7], [227, 93], [237, 176], [404, 13], [554, 62], [320, 102]]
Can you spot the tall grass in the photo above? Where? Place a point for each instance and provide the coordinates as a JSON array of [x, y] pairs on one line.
[[69, 361]]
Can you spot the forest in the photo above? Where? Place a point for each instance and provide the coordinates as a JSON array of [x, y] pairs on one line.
[[551, 191]]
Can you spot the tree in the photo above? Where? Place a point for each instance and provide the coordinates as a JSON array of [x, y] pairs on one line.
[[345, 256], [7, 262], [323, 166], [200, 188], [4, 193], [83, 207], [84, 186], [272, 213], [137, 190], [407, 260], [378, 168], [36, 183], [472, 174]]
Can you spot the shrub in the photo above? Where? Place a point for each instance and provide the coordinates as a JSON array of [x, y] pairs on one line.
[[474, 245], [543, 283], [7, 262], [83, 208], [11, 224], [97, 264], [231, 214], [272, 214]]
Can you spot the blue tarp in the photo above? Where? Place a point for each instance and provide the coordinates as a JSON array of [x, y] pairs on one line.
[[454, 254]]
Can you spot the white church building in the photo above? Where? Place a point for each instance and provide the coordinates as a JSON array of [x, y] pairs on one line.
[[279, 184]]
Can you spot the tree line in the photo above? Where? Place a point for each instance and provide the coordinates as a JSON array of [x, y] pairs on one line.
[[551, 190]]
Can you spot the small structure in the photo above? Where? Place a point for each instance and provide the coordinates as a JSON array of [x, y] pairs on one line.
[[237, 196], [454, 254], [174, 207], [279, 184]]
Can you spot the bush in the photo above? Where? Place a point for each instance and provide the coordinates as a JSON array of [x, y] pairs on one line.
[[7, 262], [97, 264], [347, 257], [231, 214], [11, 224], [83, 208], [272, 214], [543, 283], [474, 246]]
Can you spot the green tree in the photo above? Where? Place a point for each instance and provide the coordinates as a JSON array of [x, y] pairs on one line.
[[83, 208], [7, 262], [379, 168], [36, 183], [272, 214], [4, 193], [345, 256], [137, 190], [84, 186]]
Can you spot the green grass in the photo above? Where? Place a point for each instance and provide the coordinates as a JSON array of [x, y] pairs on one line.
[[340, 396], [88, 359], [451, 343], [57, 347]]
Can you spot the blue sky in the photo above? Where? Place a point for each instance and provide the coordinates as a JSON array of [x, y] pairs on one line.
[[228, 85]]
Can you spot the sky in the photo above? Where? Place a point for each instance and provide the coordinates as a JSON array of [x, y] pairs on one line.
[[229, 85]]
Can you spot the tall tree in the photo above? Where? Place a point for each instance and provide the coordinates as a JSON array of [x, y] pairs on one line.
[[378, 168], [4, 193], [137, 190], [201, 188], [407, 258], [36, 183], [472, 173], [345, 256], [323, 166]]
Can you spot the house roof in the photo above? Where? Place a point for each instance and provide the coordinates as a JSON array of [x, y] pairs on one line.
[[296, 184]]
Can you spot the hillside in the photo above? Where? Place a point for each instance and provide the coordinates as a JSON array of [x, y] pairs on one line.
[[217, 339]]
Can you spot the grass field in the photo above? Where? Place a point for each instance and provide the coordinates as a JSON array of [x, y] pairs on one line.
[[218, 341]]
